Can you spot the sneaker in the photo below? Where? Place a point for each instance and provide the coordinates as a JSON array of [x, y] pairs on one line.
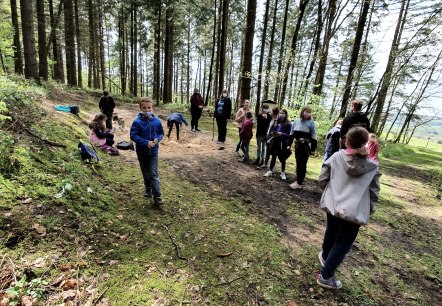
[[268, 173], [243, 160], [237, 153], [157, 201], [261, 165], [330, 283], [198, 130], [295, 186], [283, 177], [321, 259], [193, 130]]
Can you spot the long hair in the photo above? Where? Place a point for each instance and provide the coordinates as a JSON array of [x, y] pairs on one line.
[[97, 122], [286, 119], [224, 91], [305, 108], [357, 138]]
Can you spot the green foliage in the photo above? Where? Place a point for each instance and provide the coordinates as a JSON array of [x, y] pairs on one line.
[[176, 107], [395, 150]]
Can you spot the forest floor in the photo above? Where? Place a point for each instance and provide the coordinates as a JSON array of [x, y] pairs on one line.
[[226, 235]]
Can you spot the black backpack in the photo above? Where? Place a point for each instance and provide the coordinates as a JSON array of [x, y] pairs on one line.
[[86, 153], [74, 109], [124, 145]]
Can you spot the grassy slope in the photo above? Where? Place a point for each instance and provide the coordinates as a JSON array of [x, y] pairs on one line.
[[120, 244]]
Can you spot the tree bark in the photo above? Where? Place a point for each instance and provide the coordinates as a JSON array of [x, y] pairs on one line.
[[135, 52], [31, 70], [281, 55], [302, 7], [188, 61], [261, 58], [168, 54], [390, 64], [18, 58], [212, 57], [270, 55], [320, 73], [223, 45], [77, 36], [157, 59], [246, 73], [354, 56], [69, 32]]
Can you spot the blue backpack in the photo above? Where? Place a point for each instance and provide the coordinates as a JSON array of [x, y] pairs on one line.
[[86, 153]]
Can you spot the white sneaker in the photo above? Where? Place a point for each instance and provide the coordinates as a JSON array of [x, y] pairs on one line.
[[193, 130], [283, 176], [268, 173]]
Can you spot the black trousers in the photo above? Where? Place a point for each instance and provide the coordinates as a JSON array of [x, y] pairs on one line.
[[221, 122], [302, 153], [196, 115], [177, 129], [108, 119]]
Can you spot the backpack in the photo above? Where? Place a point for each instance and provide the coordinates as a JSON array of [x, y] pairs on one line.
[[74, 109], [86, 153], [124, 145]]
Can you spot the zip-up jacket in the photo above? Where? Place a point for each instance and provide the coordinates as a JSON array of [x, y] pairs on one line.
[[144, 130]]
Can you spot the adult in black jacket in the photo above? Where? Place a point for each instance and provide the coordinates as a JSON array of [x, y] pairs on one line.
[[107, 106], [223, 109], [196, 108], [355, 118]]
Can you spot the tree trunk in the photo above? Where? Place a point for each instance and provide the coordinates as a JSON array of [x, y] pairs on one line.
[[246, 73], [168, 54], [281, 55], [42, 52], [101, 46], [320, 73], [71, 71], [212, 57], [28, 39], [217, 90], [91, 75], [157, 54], [223, 46], [135, 52], [302, 7], [354, 56], [317, 44], [18, 58], [261, 58], [270, 55], [188, 61], [77, 35], [390, 64], [122, 39]]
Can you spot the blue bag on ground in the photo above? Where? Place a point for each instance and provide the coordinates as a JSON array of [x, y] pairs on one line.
[[86, 152]]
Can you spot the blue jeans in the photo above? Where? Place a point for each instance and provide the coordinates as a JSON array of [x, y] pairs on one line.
[[338, 239], [245, 148], [149, 169], [261, 145]]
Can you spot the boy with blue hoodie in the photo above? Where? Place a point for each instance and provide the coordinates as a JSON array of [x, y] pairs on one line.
[[147, 132]]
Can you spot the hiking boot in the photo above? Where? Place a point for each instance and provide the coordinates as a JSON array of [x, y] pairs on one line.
[[148, 194], [157, 201], [330, 283], [283, 177], [268, 173], [321, 259]]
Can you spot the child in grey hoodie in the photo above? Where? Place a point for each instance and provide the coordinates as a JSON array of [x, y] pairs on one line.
[[351, 191]]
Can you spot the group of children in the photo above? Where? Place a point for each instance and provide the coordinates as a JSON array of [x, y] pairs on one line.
[[349, 177]]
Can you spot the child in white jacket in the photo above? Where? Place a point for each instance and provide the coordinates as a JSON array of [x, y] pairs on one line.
[[351, 191]]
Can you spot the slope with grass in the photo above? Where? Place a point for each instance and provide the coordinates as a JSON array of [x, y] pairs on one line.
[[226, 235]]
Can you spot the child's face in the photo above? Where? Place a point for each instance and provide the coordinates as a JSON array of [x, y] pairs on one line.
[[146, 107], [306, 114], [371, 140]]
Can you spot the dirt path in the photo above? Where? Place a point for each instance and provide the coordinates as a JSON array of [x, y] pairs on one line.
[[200, 160]]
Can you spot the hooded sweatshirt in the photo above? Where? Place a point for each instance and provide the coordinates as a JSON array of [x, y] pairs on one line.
[[351, 187], [144, 130]]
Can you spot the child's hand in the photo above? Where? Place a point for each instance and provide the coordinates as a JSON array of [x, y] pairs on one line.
[[151, 144]]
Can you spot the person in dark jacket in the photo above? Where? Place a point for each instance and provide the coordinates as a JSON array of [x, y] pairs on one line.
[[333, 136], [177, 119], [355, 118], [147, 132], [245, 135], [196, 109], [278, 143], [107, 106], [223, 109], [262, 125]]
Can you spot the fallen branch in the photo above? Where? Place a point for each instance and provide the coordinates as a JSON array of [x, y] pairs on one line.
[[224, 255], [100, 297], [45, 141], [177, 248], [229, 282]]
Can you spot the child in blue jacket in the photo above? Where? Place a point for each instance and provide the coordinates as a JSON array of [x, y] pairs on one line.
[[177, 119], [146, 131]]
